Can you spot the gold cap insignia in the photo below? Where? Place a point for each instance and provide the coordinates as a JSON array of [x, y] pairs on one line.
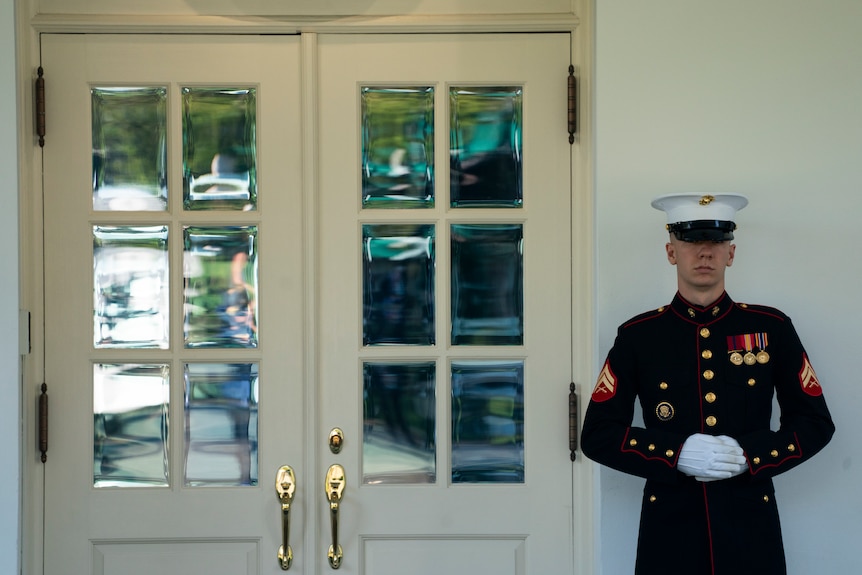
[[706, 200]]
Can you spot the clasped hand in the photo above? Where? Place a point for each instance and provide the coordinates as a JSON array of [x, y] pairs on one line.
[[711, 457]]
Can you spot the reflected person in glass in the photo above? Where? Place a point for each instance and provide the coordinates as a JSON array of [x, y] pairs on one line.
[[238, 306]]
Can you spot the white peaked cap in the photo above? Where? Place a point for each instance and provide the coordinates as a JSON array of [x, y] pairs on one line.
[[696, 207]]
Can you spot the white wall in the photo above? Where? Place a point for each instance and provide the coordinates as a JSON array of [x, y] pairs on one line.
[[763, 98], [9, 376]]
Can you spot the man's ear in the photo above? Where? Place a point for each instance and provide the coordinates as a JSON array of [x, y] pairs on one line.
[[670, 250], [732, 254]]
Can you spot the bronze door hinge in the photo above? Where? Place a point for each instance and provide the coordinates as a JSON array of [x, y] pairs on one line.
[[573, 104], [43, 422], [573, 422], [40, 108]]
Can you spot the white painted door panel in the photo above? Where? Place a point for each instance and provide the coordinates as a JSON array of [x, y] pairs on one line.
[[174, 529], [442, 526], [438, 526]]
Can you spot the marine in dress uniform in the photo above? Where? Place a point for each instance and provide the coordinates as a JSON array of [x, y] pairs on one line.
[[705, 377]]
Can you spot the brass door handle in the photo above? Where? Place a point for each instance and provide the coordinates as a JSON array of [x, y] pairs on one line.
[[285, 486], [334, 489]]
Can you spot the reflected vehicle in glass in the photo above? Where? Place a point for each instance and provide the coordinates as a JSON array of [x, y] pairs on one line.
[[485, 147], [129, 199], [224, 182], [219, 148]]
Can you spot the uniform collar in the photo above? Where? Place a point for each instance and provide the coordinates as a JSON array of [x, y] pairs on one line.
[[702, 315]]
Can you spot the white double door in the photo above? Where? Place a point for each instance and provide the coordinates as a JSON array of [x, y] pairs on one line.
[[311, 278]]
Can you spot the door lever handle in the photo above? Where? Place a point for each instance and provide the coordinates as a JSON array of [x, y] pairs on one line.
[[334, 489], [285, 486]]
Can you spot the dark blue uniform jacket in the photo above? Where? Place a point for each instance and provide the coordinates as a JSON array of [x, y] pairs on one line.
[[711, 370]]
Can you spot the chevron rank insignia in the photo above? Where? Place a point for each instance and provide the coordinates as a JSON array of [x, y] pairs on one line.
[[606, 386], [808, 379]]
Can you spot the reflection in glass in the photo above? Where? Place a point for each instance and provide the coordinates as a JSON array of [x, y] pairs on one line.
[[485, 141], [219, 148], [130, 286], [398, 147], [487, 284], [129, 148], [220, 297], [130, 425], [488, 422], [398, 284], [221, 401], [399, 423]]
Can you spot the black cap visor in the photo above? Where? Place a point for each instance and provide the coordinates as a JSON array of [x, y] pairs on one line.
[[703, 230]]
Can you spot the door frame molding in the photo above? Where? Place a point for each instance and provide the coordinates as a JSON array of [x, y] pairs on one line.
[[30, 24]]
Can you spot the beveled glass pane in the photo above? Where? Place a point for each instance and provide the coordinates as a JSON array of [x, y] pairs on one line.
[[219, 149], [129, 148], [130, 287], [488, 422], [398, 422], [220, 296], [487, 284], [221, 430], [485, 141], [397, 147], [398, 284], [130, 425]]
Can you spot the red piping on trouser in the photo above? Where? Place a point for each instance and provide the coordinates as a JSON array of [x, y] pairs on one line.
[[708, 531]]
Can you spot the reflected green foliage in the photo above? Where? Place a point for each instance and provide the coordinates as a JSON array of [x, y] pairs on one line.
[[219, 148], [129, 148], [397, 147], [220, 286]]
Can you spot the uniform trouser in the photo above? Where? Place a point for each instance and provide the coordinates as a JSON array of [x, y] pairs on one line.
[[728, 527]]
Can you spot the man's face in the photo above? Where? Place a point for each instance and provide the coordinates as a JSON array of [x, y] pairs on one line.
[[700, 266]]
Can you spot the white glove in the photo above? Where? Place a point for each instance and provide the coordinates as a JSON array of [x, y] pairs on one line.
[[710, 457], [742, 467]]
